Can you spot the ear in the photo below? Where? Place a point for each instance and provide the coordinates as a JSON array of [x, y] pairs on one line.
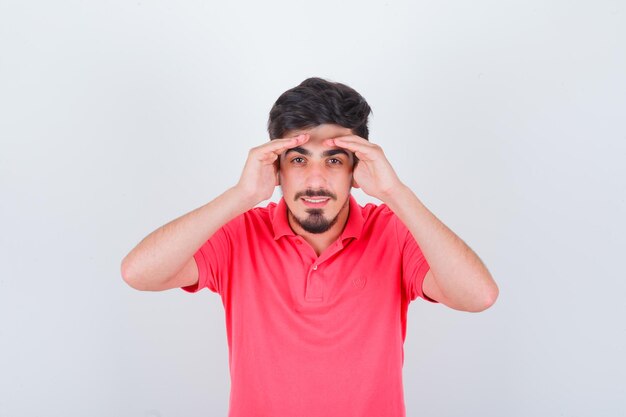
[[354, 164], [277, 168]]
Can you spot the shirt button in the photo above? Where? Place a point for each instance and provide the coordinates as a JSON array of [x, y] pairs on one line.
[[315, 267]]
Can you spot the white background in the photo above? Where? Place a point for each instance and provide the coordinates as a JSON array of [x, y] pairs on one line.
[[507, 119]]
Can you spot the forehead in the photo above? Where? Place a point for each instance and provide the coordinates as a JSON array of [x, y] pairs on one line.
[[321, 132], [318, 135]]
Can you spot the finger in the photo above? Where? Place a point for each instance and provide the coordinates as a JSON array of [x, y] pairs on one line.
[[270, 152], [278, 146], [362, 148], [295, 141], [350, 139], [354, 139]]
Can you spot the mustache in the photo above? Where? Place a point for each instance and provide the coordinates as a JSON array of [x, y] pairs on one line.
[[314, 193]]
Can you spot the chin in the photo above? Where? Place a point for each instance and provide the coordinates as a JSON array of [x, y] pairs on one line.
[[316, 223]]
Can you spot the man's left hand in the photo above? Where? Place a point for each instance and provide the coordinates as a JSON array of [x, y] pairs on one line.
[[373, 173]]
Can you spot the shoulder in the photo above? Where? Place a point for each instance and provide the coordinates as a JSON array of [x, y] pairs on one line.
[[377, 214], [257, 218], [379, 222]]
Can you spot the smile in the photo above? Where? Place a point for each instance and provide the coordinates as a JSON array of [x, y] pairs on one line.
[[315, 202]]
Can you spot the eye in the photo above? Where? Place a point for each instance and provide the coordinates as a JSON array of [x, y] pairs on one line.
[[298, 160], [335, 161]]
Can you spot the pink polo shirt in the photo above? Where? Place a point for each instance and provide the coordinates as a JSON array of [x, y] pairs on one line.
[[313, 336]]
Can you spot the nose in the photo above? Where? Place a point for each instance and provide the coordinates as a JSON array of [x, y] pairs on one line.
[[315, 176]]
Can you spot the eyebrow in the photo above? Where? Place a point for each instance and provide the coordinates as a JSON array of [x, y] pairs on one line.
[[329, 152]]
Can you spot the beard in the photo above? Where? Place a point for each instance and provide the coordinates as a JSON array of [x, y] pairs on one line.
[[315, 222]]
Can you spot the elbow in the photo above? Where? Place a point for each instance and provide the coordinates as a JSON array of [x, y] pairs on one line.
[[129, 276], [486, 299], [139, 279]]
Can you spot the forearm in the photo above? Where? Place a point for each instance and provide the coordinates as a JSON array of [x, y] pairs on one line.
[[458, 272], [164, 252]]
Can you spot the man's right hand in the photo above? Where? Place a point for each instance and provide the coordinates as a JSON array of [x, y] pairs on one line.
[[165, 258], [260, 174]]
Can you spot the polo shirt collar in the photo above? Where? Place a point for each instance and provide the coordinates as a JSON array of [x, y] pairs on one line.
[[353, 228], [280, 224]]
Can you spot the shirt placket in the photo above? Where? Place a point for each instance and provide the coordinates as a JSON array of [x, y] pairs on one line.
[[314, 284]]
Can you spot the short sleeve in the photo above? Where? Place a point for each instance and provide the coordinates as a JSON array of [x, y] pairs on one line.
[[212, 260], [414, 264]]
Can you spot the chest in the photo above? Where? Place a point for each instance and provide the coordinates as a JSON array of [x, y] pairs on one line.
[[345, 275]]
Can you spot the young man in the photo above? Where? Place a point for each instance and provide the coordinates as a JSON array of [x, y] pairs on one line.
[[315, 288]]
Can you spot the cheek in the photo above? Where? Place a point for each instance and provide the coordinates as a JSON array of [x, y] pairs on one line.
[[345, 176], [287, 181]]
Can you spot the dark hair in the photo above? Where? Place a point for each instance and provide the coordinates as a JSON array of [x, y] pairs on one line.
[[316, 101]]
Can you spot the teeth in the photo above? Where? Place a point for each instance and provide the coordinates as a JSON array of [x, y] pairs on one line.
[[315, 201]]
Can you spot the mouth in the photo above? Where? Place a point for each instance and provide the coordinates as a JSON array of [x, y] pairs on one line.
[[315, 201]]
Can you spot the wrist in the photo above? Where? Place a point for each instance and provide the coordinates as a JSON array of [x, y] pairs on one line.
[[248, 198], [394, 194], [245, 198]]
